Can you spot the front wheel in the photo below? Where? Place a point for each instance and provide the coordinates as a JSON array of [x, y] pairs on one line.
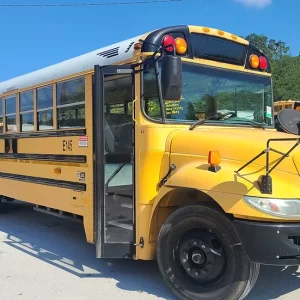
[[200, 256]]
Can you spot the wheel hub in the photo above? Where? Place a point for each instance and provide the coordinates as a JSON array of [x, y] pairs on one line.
[[199, 259]]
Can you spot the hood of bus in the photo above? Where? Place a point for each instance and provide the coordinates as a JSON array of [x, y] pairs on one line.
[[238, 145]]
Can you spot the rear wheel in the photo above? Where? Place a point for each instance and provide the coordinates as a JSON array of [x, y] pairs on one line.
[[200, 256]]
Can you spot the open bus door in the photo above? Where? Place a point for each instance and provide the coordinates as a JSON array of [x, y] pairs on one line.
[[114, 161]]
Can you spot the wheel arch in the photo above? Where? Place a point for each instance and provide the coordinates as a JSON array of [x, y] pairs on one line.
[[175, 198]]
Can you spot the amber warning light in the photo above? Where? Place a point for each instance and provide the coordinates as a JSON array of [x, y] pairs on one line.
[[258, 62], [214, 160]]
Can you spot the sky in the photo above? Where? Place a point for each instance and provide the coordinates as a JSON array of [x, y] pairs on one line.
[[35, 37]]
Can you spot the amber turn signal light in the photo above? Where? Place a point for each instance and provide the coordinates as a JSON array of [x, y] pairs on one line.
[[214, 159], [57, 171]]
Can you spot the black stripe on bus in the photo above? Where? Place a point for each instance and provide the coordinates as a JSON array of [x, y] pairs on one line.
[[58, 133], [45, 157], [45, 181]]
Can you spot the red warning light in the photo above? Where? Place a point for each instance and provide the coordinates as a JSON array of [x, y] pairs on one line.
[[168, 42]]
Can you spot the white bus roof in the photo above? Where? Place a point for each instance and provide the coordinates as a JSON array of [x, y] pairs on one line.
[[103, 56]]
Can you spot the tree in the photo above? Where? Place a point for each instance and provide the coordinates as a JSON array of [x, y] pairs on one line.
[[284, 66], [275, 50], [286, 74]]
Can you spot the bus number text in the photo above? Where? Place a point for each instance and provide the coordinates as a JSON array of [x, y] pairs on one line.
[[67, 145]]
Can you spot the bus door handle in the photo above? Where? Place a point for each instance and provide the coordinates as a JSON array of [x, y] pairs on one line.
[[133, 110]]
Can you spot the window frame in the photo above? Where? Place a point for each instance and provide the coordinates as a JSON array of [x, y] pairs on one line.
[[26, 112], [45, 108], [5, 98], [2, 117], [17, 114], [82, 77], [211, 123]]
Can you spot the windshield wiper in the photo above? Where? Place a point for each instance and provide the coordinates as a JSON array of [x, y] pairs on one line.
[[219, 116], [202, 121], [199, 122]]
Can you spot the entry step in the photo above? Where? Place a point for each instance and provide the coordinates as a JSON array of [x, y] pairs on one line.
[[120, 225], [127, 205], [58, 213]]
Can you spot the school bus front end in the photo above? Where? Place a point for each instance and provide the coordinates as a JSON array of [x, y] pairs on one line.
[[217, 184]]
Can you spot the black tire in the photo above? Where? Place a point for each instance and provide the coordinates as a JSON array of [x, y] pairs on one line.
[[2, 204], [200, 256]]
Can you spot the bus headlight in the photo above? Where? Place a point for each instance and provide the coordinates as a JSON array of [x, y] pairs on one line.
[[285, 208]]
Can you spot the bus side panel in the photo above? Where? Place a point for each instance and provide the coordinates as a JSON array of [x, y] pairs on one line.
[[54, 197], [42, 169], [53, 168]]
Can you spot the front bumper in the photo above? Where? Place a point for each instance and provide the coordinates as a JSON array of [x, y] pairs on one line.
[[270, 243]]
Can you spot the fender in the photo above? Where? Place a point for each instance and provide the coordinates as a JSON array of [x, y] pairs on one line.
[[228, 188]]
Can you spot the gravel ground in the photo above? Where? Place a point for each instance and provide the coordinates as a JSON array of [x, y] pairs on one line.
[[43, 257]]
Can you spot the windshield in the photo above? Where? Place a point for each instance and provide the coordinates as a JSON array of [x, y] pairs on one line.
[[235, 97]]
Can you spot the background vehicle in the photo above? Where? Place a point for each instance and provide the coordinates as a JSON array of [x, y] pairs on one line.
[[146, 141], [284, 104]]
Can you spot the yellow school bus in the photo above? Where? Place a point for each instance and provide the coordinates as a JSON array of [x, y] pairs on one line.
[[284, 104], [164, 145]]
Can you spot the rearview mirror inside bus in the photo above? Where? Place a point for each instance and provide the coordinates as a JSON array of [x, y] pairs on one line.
[[171, 78]]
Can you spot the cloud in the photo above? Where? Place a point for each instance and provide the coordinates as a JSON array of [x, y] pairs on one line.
[[255, 3]]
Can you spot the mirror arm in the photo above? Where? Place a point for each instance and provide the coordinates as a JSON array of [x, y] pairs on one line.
[[158, 82]]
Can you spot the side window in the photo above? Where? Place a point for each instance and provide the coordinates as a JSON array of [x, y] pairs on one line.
[[117, 109], [70, 97], [1, 116], [118, 95], [120, 108], [151, 101], [44, 98], [10, 113], [26, 111]]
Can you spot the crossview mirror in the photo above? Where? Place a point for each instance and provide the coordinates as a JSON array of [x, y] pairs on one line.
[[171, 78]]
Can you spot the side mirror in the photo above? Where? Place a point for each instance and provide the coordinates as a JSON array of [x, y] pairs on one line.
[[171, 78]]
